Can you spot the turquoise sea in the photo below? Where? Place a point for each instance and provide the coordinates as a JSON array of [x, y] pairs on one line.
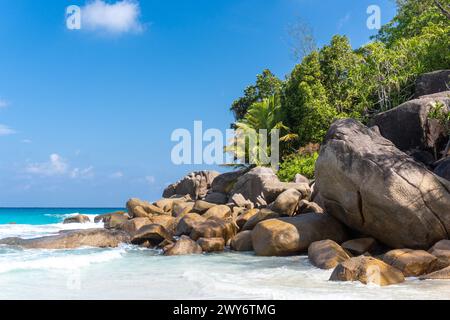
[[129, 272]]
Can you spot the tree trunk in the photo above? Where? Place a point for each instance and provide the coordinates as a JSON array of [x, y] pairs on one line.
[[445, 11]]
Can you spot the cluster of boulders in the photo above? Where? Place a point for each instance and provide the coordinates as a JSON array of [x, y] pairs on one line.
[[380, 199]]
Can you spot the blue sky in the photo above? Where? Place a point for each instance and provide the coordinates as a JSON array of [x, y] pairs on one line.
[[86, 115]]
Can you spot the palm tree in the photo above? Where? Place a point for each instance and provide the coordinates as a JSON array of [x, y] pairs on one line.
[[263, 115]]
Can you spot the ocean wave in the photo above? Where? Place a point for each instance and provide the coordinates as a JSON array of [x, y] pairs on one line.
[[54, 259], [27, 231]]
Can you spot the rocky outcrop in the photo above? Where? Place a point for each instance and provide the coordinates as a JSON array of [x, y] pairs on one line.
[[433, 82], [181, 208], [287, 202], [242, 242], [142, 209], [201, 206], [220, 212], [417, 130], [184, 246], [293, 235], [261, 215], [225, 182], [100, 238], [153, 234], [360, 246], [242, 219], [115, 220], [214, 228], [261, 185], [211, 244], [166, 204], [239, 200], [187, 223], [443, 169], [195, 184], [326, 254], [301, 179], [367, 270], [443, 274], [104, 217], [217, 198], [168, 222], [133, 225], [374, 188], [305, 206], [412, 263], [441, 251], [77, 219]]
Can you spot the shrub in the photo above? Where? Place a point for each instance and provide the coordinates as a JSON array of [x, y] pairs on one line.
[[303, 162]]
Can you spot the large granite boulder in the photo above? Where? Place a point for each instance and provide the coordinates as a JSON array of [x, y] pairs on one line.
[[433, 82], [443, 169], [242, 241], [143, 209], [261, 215], [184, 246], [211, 244], [367, 270], [441, 251], [168, 222], [326, 254], [287, 202], [293, 235], [79, 218], [224, 183], [201, 206], [360, 246], [409, 126], [153, 234], [443, 274], [115, 221], [242, 219], [220, 212], [261, 185], [106, 216], [187, 222], [133, 225], [217, 197], [412, 263], [100, 238], [195, 184], [376, 189], [214, 228]]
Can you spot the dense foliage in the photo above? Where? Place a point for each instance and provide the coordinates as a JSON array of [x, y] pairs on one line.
[[302, 162], [337, 81]]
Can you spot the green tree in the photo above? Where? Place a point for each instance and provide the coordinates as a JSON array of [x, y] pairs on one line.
[[267, 85], [338, 64], [412, 17], [264, 115], [305, 101]]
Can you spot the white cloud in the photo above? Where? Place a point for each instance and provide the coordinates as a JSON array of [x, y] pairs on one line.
[[86, 173], [27, 141], [58, 166], [116, 175], [344, 20], [55, 166], [119, 17], [6, 131], [3, 103], [150, 179]]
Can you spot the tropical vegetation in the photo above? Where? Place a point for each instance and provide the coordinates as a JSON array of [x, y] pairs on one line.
[[338, 81]]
